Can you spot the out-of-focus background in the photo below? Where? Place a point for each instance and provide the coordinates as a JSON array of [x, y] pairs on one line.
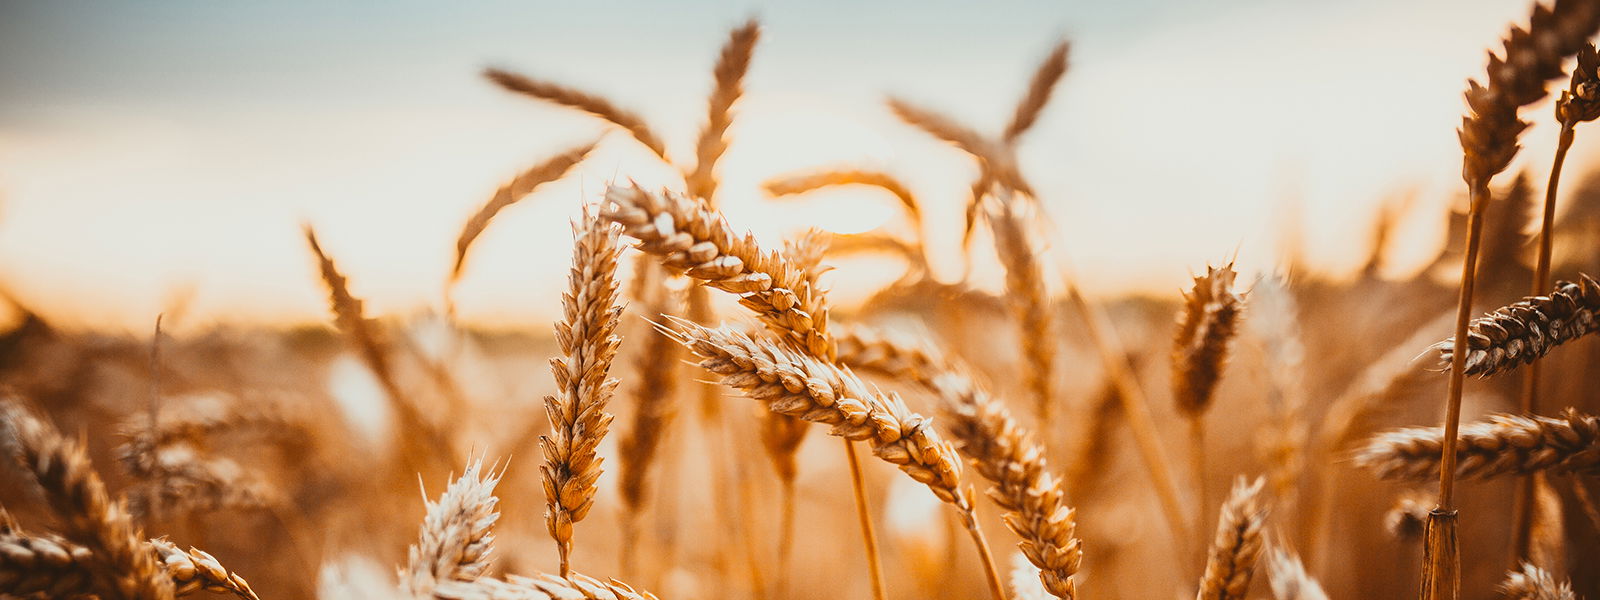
[[155, 150]]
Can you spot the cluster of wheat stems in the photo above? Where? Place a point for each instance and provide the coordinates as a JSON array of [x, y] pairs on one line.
[[806, 362]]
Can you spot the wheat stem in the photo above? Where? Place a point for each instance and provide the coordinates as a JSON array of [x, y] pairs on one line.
[[864, 516]]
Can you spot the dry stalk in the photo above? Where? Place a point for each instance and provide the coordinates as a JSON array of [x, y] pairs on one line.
[[578, 419], [732, 64], [1031, 306], [1503, 444], [455, 539], [423, 443], [808, 182], [654, 396], [90, 517], [518, 188], [1523, 331], [1489, 141], [1528, 582], [1232, 558], [583, 101]]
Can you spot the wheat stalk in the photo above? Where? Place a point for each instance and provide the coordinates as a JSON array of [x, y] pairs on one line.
[[732, 64], [455, 539], [1528, 582], [518, 188], [580, 100], [1232, 558], [1488, 137], [1501, 445], [654, 398], [578, 420], [1525, 330], [424, 442], [89, 515], [1031, 307]]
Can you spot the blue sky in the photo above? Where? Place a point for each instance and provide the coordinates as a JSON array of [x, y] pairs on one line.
[[155, 146]]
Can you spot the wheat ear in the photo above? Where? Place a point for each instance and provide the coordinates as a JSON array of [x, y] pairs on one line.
[[75, 492], [541, 587], [580, 100], [997, 162], [1530, 328], [1288, 577], [455, 539], [423, 443], [1501, 445], [1040, 88], [805, 387], [1231, 561], [1528, 582], [732, 64], [1488, 137], [518, 188], [1031, 307], [195, 570], [578, 419], [52, 567], [1206, 328]]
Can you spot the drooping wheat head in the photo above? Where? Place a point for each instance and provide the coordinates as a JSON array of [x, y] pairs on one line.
[[1528, 329], [1503, 444]]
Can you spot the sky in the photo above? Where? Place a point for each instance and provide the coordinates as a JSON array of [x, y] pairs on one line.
[[153, 153]]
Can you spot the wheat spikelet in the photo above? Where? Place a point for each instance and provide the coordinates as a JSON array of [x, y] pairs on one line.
[[455, 538], [696, 240], [732, 64], [176, 479], [1289, 579], [1532, 57], [541, 587], [1530, 328], [374, 349], [1408, 518], [807, 182], [518, 188], [1210, 319], [75, 492], [195, 570], [1528, 582], [1231, 560], [1038, 95], [1501, 445], [1030, 304], [580, 100], [1580, 102], [806, 388], [578, 420]]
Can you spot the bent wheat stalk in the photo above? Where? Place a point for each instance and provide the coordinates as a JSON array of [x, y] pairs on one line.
[[578, 417]]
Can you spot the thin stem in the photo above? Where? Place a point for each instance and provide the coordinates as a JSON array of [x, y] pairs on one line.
[[1523, 505], [1458, 359], [1197, 461], [785, 535], [564, 549], [630, 541], [969, 518], [870, 537], [758, 582], [1137, 409]]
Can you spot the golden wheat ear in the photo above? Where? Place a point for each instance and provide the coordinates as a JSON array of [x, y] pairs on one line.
[[1528, 582], [1524, 331], [513, 191], [1503, 444], [1231, 561]]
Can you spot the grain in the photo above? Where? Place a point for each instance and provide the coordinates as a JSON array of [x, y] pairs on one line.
[[1528, 582], [578, 419], [518, 188], [196, 570], [56, 568], [456, 538], [732, 64], [1406, 520], [580, 100], [1503, 444], [1524, 331], [1238, 543]]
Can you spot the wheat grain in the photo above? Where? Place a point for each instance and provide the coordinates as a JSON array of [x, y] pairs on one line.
[[455, 539], [732, 64], [1501, 445], [580, 100], [997, 162], [698, 241], [195, 570], [654, 393], [1530, 328], [1232, 558], [518, 188], [75, 492], [1528, 582], [578, 419]]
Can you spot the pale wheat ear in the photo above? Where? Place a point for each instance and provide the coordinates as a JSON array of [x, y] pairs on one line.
[[511, 192], [582, 101]]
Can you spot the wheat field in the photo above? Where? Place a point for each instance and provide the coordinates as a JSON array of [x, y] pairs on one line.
[[1287, 433]]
